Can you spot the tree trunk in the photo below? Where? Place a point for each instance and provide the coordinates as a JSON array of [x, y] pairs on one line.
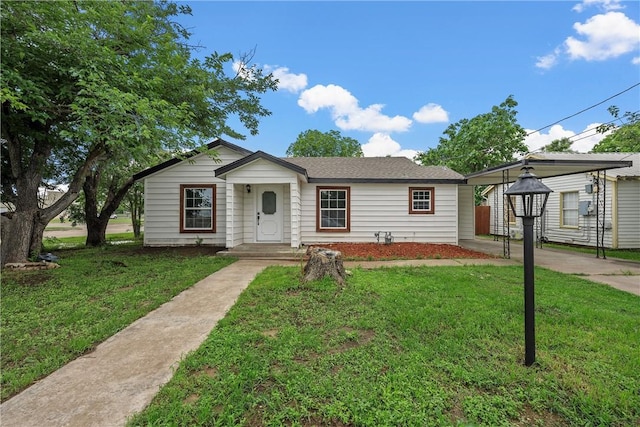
[[135, 202], [97, 222], [17, 232], [324, 262]]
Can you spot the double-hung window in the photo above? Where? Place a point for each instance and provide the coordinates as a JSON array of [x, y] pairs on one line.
[[569, 206], [421, 200], [333, 211], [197, 212]]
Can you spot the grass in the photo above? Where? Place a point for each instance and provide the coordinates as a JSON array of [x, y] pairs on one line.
[[50, 317], [413, 347]]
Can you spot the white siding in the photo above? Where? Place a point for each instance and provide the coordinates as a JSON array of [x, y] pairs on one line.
[[162, 200], [466, 212], [263, 172], [586, 232], [294, 195], [628, 214], [497, 213], [626, 228], [385, 208]]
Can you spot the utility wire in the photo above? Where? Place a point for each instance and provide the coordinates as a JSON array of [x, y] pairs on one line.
[[586, 109]]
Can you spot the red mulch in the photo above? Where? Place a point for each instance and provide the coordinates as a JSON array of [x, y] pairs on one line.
[[376, 251]]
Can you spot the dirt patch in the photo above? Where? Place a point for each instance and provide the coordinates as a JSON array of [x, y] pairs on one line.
[[404, 250]]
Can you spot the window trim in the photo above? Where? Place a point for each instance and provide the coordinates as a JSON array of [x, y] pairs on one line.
[[319, 227], [432, 201], [577, 210], [183, 229]]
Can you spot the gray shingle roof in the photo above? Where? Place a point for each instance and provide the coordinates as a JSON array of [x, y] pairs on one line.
[[371, 169]]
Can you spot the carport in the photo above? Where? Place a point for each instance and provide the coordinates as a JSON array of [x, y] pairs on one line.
[[544, 166]]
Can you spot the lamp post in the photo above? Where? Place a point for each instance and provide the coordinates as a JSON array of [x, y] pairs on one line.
[[533, 196]]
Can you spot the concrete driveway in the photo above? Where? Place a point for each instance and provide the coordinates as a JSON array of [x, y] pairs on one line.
[[617, 273]]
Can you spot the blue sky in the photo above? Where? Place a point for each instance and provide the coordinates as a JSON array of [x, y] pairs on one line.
[[394, 75]]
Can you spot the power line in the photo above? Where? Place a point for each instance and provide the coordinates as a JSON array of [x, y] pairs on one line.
[[586, 109]]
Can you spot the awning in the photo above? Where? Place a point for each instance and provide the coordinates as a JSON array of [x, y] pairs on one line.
[[542, 168]]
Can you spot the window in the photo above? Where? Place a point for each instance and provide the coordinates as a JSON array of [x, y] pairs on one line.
[[333, 211], [421, 200], [510, 215], [569, 207], [197, 213]]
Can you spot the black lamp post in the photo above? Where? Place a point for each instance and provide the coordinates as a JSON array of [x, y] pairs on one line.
[[533, 195]]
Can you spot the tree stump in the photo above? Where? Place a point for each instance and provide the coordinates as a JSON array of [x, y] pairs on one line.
[[324, 262]]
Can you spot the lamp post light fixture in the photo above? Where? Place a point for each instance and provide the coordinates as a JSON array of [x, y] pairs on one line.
[[531, 197]]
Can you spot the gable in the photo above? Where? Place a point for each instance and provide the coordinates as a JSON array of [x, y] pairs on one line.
[[221, 146]]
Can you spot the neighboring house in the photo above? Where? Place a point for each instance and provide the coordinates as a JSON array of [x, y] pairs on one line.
[[254, 197], [579, 203]]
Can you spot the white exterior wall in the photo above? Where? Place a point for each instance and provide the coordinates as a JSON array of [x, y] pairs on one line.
[[263, 172], [628, 214], [586, 232], [621, 212], [162, 200], [499, 211], [466, 212], [385, 208]]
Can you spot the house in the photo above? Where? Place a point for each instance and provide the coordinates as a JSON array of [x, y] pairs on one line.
[[583, 206], [254, 197]]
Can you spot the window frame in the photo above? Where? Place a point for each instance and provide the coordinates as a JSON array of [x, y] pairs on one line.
[[563, 210], [183, 188], [347, 228], [432, 201]]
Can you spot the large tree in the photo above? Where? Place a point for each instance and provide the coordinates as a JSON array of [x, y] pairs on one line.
[[86, 81], [313, 143], [562, 145], [486, 140], [624, 136]]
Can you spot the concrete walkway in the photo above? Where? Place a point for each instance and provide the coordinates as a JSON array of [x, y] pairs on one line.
[[123, 374], [617, 273]]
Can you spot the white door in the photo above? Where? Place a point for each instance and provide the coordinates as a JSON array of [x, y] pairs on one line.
[[269, 217]]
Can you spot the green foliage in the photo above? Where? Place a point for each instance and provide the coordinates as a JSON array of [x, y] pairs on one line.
[[50, 317], [313, 143], [411, 347], [625, 138], [486, 140], [85, 81], [562, 145]]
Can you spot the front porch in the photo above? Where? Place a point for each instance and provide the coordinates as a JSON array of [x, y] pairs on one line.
[[279, 251]]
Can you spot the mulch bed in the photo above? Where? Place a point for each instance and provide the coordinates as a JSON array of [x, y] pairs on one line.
[[404, 250]]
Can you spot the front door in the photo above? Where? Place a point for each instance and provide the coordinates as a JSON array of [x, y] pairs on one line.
[[269, 216]]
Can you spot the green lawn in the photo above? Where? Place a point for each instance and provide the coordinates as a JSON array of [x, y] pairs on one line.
[[412, 347], [48, 318]]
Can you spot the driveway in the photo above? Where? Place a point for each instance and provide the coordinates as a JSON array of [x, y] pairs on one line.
[[620, 274]]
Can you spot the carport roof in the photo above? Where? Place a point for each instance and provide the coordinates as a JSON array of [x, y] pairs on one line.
[[545, 165]]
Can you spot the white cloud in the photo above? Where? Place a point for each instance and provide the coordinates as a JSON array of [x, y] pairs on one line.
[[583, 142], [291, 82], [346, 112], [431, 113], [636, 60], [548, 61], [603, 4], [605, 36], [381, 145]]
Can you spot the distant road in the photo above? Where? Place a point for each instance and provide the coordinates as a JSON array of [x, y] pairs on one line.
[[66, 230]]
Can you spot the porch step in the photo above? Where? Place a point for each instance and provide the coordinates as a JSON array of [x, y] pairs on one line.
[[264, 251]]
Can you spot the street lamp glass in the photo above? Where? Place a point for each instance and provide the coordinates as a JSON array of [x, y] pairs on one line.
[[533, 195]]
